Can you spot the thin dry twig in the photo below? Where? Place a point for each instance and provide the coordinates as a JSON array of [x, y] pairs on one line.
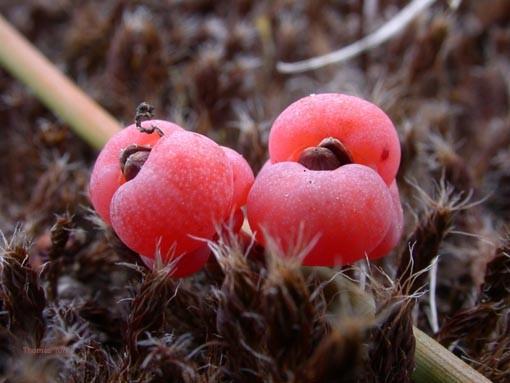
[[434, 324], [386, 32]]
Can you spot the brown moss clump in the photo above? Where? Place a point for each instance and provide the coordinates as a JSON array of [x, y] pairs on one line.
[[210, 66]]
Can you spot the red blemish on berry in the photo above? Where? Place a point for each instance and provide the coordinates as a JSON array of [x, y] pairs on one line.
[[385, 154]]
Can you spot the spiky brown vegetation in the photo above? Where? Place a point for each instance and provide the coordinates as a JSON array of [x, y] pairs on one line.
[[210, 65]]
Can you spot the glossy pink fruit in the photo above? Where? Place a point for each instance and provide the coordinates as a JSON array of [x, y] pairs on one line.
[[107, 176], [394, 233], [363, 128], [348, 210], [185, 186], [332, 157], [243, 177], [184, 190], [243, 180]]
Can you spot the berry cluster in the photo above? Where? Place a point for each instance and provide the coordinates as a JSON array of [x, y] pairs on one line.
[[329, 181]]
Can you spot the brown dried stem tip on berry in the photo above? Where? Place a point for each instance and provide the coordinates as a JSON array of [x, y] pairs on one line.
[[132, 159], [145, 112], [330, 154]]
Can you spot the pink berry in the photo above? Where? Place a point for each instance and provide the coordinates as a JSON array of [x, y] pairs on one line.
[[243, 177], [243, 180], [266, 165], [107, 175], [332, 157], [182, 192], [347, 210], [159, 192], [395, 230], [364, 130]]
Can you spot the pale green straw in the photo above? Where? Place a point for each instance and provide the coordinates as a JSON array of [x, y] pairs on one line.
[[22, 60]]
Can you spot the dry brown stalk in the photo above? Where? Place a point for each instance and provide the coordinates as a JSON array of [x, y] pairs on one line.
[[495, 361], [470, 324], [21, 291], [496, 286], [338, 355], [147, 312], [393, 343], [292, 316], [59, 236], [102, 319], [124, 252], [425, 240]]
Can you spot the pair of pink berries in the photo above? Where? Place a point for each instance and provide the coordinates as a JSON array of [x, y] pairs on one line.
[[329, 181]]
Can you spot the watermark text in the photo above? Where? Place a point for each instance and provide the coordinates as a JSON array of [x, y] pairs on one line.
[[45, 350]]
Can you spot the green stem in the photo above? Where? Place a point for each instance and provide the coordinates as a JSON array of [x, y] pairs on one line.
[[435, 364], [22, 60]]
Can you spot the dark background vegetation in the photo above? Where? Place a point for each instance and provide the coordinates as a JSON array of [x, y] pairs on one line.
[[210, 66]]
